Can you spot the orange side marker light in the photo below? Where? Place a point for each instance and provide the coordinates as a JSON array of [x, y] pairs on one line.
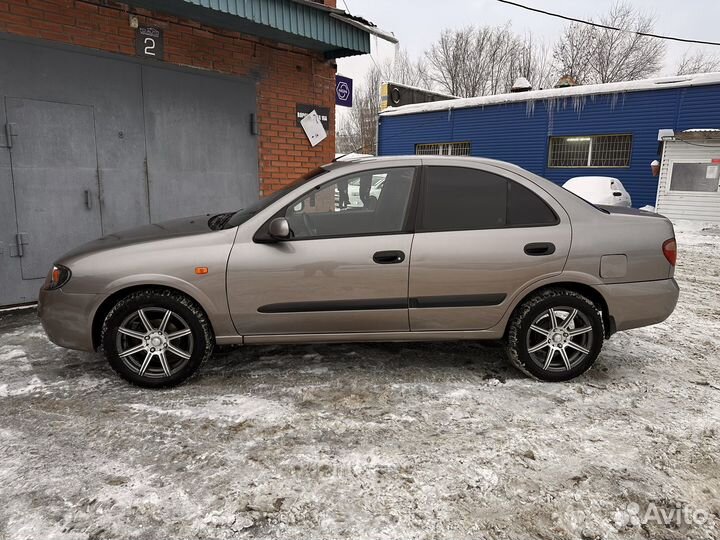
[[201, 270]]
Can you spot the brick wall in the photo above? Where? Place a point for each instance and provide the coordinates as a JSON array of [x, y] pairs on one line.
[[330, 3], [285, 75]]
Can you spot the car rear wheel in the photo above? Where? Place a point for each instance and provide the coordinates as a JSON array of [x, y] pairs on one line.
[[156, 338], [555, 335]]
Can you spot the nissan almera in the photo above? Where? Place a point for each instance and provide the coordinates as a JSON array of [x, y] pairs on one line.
[[436, 249]]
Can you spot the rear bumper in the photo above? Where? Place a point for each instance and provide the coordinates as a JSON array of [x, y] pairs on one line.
[[632, 305], [67, 318]]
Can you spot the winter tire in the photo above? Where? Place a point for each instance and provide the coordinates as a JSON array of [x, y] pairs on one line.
[[156, 338], [555, 335]]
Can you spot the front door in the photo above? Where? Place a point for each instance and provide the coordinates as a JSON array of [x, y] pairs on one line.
[[55, 177], [344, 270], [482, 235]]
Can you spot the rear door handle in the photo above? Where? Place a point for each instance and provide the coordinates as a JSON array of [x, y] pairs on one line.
[[389, 257], [537, 249]]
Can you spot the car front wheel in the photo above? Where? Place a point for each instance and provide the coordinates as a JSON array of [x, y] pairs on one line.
[[156, 338], [555, 335]]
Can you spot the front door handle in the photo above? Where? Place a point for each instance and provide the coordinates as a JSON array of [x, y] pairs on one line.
[[389, 257], [88, 199], [537, 249]]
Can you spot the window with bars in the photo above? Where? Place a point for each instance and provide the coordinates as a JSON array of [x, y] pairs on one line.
[[443, 149], [590, 151]]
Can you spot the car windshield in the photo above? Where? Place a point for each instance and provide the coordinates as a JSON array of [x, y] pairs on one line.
[[233, 219]]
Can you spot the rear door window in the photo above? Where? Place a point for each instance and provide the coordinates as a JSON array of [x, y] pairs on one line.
[[458, 198]]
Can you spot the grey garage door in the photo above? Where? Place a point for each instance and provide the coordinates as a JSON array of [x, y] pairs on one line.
[[201, 157], [99, 143], [55, 175]]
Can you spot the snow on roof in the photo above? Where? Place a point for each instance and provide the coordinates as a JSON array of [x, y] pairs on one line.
[[521, 82], [680, 81], [701, 130]]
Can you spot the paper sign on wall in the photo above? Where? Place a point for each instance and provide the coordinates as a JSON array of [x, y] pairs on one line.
[[313, 128], [712, 172]]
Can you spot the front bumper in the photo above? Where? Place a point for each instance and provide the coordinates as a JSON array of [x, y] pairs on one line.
[[67, 318], [632, 305]]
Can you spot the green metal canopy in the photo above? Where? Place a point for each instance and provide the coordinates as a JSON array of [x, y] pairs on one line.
[[302, 23]]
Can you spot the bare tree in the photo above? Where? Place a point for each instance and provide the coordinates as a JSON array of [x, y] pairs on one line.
[[403, 70], [697, 62], [598, 55], [574, 51], [531, 60], [625, 56], [452, 60], [476, 61], [357, 130]]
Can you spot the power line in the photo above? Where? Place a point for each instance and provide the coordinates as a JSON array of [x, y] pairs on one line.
[[606, 27]]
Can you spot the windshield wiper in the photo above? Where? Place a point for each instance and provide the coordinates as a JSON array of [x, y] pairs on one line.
[[218, 221]]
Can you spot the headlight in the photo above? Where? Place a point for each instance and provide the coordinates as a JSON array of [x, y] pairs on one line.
[[57, 277]]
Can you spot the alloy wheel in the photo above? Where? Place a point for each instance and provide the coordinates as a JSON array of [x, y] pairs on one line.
[[154, 342], [559, 339]]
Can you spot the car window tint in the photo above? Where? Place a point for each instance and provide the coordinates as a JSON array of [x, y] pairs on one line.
[[525, 208], [371, 202], [457, 198]]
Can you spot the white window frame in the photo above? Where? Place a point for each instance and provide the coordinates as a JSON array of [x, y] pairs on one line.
[[668, 179], [445, 148], [588, 164]]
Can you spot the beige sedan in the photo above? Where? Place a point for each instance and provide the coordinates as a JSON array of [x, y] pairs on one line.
[[446, 249]]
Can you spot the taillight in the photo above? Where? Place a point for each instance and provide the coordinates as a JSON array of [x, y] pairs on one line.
[[669, 248]]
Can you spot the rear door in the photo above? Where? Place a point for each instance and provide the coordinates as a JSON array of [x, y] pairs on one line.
[[482, 235], [55, 177]]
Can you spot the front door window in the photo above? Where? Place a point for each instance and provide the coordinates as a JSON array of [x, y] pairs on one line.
[[371, 202]]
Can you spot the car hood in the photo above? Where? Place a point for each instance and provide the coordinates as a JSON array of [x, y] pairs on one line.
[[146, 233]]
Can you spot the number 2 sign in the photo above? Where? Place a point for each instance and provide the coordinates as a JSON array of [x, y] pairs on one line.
[[149, 42]]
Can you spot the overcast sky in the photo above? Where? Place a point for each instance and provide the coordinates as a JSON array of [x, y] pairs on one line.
[[418, 23]]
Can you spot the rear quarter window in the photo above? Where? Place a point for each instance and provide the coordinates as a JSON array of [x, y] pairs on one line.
[[526, 209]]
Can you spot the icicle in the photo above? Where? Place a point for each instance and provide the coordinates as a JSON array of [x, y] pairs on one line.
[[530, 108], [550, 107], [578, 104]]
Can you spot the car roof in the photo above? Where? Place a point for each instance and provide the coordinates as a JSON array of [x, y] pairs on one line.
[[564, 197], [428, 160]]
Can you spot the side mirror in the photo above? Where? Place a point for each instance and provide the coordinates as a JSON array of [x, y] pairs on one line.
[[279, 228]]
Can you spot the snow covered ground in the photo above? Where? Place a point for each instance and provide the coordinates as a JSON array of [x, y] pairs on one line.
[[395, 441]]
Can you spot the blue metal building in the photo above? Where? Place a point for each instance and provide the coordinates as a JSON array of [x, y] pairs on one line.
[[595, 130]]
